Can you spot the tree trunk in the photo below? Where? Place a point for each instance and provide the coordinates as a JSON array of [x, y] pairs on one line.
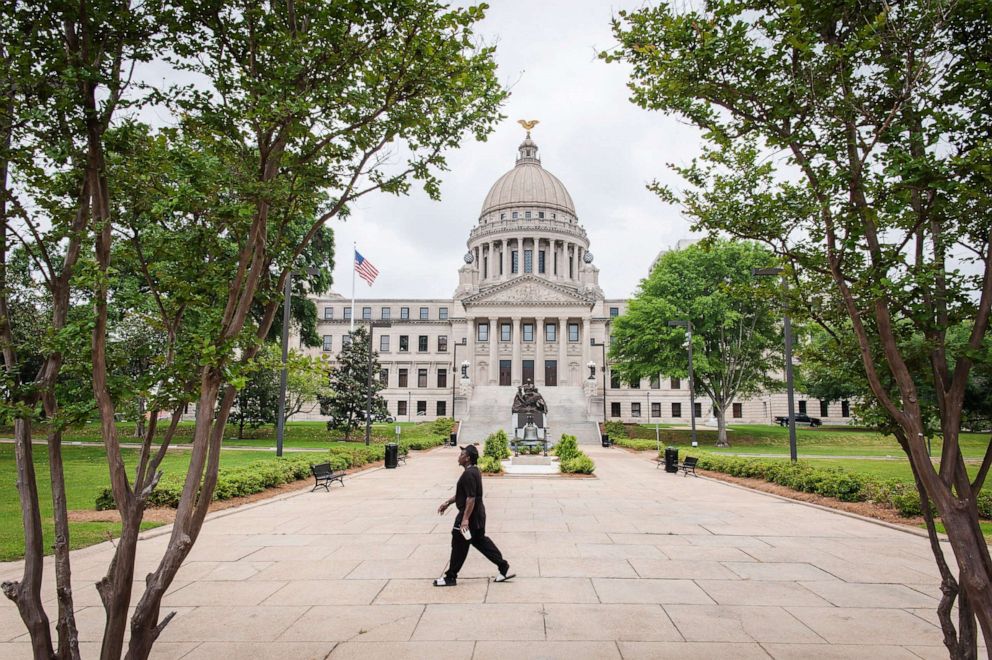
[[139, 426], [974, 564], [26, 594], [721, 427]]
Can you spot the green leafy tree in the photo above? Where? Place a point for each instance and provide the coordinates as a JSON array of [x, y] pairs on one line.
[[852, 137], [257, 402], [736, 334], [347, 401]]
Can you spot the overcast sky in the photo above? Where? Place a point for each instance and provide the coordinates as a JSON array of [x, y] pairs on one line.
[[603, 148]]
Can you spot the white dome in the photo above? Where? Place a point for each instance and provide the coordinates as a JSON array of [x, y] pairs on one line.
[[528, 184]]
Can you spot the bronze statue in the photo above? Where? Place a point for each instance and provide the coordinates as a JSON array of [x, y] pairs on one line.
[[529, 400]]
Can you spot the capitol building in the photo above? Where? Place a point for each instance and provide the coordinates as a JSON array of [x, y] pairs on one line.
[[527, 307]]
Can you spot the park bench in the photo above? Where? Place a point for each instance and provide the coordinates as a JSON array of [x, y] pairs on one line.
[[689, 465], [323, 475]]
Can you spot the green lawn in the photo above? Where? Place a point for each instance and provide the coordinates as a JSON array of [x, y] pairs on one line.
[[826, 440], [86, 475]]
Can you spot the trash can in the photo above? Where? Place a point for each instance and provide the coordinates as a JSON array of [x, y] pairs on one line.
[[392, 453], [671, 459], [606, 440], [453, 440]]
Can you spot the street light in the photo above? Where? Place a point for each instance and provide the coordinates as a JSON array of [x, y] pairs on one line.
[[368, 400], [454, 372], [602, 345], [787, 327], [287, 295], [692, 389]]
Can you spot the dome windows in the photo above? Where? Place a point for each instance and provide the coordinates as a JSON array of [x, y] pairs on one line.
[[527, 214], [540, 214], [515, 214]]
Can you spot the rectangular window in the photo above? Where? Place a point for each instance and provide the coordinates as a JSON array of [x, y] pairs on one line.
[[328, 343], [505, 332], [614, 312], [540, 261], [366, 313], [422, 343], [485, 267], [421, 378], [738, 410], [442, 408], [528, 261], [824, 409], [845, 409], [345, 342], [514, 261], [482, 332], [676, 383], [328, 313], [401, 408], [442, 344], [528, 332], [698, 411], [614, 381], [421, 409], [402, 379], [442, 377], [347, 313], [384, 377], [404, 313], [404, 343], [676, 410], [527, 215], [655, 382], [573, 332], [540, 214], [615, 409], [551, 332], [425, 313], [442, 313], [802, 408], [635, 409], [384, 344], [655, 409], [385, 314]]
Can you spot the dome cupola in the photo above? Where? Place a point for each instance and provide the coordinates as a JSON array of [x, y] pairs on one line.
[[528, 189]]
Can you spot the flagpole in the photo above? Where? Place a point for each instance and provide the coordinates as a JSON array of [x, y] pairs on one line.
[[353, 269]]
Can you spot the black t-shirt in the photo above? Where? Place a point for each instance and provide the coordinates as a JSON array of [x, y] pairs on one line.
[[470, 485]]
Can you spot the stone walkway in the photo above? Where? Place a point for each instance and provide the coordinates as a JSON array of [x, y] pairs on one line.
[[634, 564]]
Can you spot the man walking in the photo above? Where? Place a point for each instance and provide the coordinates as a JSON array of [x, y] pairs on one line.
[[470, 523]]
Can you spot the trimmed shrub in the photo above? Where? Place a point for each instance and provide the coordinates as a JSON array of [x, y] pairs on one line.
[[578, 464], [497, 446], [420, 444], [490, 465], [442, 426], [615, 429], [567, 447]]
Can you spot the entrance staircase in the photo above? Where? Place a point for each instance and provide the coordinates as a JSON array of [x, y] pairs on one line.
[[491, 405]]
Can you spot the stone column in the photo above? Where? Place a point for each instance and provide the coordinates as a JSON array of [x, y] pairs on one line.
[[515, 375], [469, 355], [539, 353], [493, 354], [573, 260], [584, 338], [562, 350], [559, 259]]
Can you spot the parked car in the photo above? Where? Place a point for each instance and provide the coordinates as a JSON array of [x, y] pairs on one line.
[[806, 420]]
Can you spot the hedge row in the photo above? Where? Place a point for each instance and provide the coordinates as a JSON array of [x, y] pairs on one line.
[[830, 482], [243, 480], [571, 459]]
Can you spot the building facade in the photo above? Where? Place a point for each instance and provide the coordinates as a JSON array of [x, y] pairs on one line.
[[528, 307]]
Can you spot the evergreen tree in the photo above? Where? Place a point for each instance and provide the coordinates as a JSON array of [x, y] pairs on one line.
[[349, 384], [257, 403]]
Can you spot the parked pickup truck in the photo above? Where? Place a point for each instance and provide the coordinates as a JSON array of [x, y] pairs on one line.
[[800, 420]]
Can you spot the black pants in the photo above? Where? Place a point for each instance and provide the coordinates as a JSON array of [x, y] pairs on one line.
[[481, 542]]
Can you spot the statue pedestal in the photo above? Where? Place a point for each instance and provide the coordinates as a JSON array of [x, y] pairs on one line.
[[530, 460]]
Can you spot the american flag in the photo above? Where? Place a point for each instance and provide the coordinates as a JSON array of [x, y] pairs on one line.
[[365, 269]]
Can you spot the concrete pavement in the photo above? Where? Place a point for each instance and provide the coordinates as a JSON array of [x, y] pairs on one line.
[[634, 564]]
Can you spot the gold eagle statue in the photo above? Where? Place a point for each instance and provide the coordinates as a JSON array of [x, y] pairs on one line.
[[528, 124]]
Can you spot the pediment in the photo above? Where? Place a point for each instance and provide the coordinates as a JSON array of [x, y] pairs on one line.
[[528, 290]]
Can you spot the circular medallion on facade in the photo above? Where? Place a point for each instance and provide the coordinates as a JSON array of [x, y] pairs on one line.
[[469, 257], [587, 257]]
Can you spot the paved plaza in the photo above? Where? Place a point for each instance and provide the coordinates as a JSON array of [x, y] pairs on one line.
[[636, 563]]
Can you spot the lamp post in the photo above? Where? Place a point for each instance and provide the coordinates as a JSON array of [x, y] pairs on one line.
[[692, 385], [602, 345], [368, 399], [787, 328], [455, 375], [287, 295]]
